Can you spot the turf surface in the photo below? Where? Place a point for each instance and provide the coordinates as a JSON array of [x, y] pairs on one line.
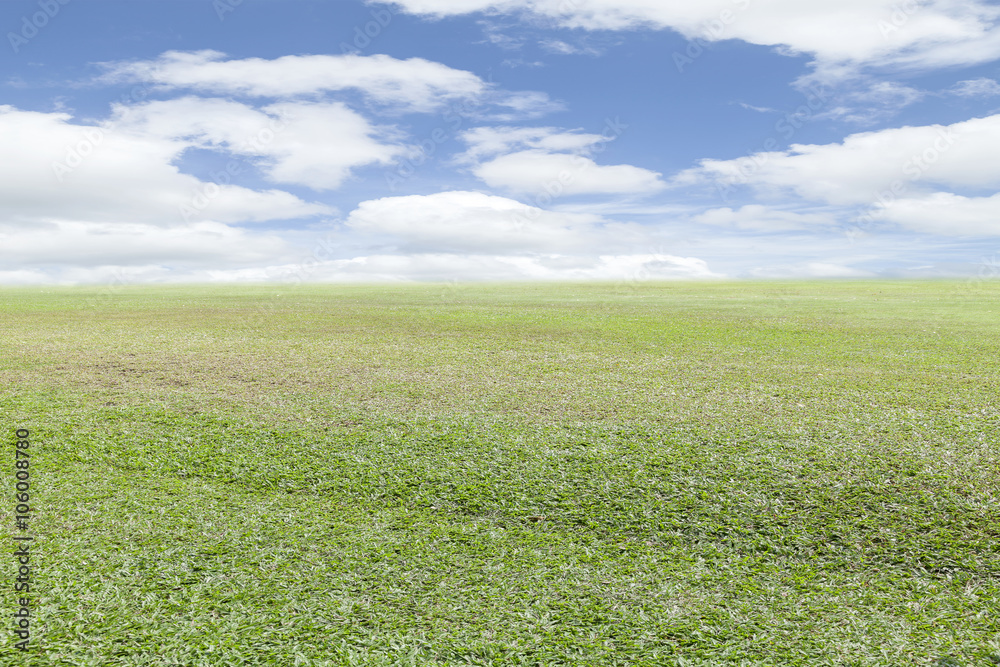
[[584, 474]]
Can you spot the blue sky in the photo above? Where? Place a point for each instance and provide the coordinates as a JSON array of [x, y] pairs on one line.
[[219, 140]]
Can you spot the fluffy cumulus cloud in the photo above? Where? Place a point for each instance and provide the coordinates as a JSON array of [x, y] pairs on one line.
[[931, 33], [411, 85], [854, 170], [472, 235], [315, 144], [415, 83], [68, 243], [554, 174], [98, 200], [913, 176], [944, 212], [461, 221], [78, 197], [112, 193], [547, 162], [53, 169]]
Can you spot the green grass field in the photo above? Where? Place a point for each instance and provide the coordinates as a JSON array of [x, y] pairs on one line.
[[579, 474]]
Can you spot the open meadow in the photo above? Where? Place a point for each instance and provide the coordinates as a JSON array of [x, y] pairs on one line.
[[715, 473]]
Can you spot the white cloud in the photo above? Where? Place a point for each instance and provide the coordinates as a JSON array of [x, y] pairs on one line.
[[521, 62], [74, 244], [898, 175], [322, 142], [490, 141], [888, 93], [755, 217], [858, 170], [752, 107], [866, 102], [441, 267], [80, 197], [550, 161], [415, 83], [461, 221], [55, 170], [981, 87], [558, 47], [516, 106], [496, 36], [411, 85], [538, 172], [561, 48], [315, 144], [945, 213], [378, 268], [929, 34]]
